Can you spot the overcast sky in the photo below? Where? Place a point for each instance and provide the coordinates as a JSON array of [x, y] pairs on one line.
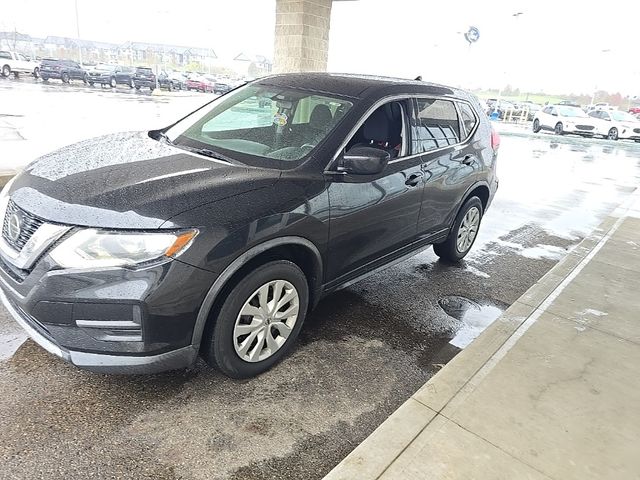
[[555, 45]]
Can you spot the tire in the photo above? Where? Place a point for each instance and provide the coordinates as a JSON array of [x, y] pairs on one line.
[[222, 344], [16, 75], [131, 83], [612, 134], [85, 79], [137, 87], [45, 79], [536, 126], [170, 86], [36, 72], [454, 249], [113, 83], [559, 129], [6, 70], [65, 77]]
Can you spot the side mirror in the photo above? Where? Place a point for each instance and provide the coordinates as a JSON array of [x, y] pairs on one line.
[[555, 114], [364, 161]]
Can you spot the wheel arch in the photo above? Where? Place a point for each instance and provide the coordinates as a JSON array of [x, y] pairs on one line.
[[299, 250]]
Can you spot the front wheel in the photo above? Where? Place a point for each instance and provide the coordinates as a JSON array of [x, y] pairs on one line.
[[6, 70], [258, 322], [559, 129], [36, 72], [131, 83], [613, 134], [112, 83], [463, 233], [85, 79], [65, 78], [536, 126]]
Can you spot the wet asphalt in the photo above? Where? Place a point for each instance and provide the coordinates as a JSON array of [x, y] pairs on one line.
[[360, 354]]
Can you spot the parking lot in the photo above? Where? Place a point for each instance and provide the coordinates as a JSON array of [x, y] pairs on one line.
[[360, 354]]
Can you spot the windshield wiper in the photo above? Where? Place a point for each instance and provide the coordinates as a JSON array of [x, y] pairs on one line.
[[210, 153], [205, 152], [163, 136]]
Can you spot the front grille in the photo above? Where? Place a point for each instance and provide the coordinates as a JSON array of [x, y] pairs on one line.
[[28, 226], [585, 127]]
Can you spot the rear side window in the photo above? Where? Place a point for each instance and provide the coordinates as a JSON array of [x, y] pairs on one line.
[[469, 120], [5, 55], [437, 124]]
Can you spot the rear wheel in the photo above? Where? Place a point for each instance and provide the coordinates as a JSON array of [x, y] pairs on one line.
[[258, 322], [463, 233], [536, 126], [6, 70], [36, 72], [559, 129], [613, 134], [131, 83]]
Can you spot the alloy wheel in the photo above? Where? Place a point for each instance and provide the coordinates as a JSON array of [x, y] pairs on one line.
[[266, 320], [613, 134], [468, 229]]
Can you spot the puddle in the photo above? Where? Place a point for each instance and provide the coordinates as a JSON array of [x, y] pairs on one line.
[[9, 343], [474, 317]]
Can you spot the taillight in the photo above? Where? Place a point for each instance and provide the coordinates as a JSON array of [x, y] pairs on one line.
[[495, 139]]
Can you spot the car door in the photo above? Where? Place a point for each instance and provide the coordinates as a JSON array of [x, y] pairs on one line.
[[374, 216], [545, 118], [598, 121], [450, 165]]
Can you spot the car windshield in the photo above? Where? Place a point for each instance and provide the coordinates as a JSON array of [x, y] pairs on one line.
[[622, 117], [571, 112], [259, 124]]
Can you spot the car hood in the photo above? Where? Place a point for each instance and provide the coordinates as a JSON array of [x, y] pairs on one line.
[[128, 180]]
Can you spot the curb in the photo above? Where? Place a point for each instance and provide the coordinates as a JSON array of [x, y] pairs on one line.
[[370, 459]]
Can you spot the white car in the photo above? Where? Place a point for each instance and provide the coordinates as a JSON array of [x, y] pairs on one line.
[[562, 119], [614, 124], [17, 63]]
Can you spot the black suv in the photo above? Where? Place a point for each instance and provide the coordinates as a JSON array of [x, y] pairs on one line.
[[134, 252], [111, 75], [65, 70], [144, 77]]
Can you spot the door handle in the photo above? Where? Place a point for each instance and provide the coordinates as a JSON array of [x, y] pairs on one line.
[[414, 179], [468, 159]]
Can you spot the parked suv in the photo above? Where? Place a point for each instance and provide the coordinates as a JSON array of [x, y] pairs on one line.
[[111, 75], [144, 77], [171, 80], [17, 63], [134, 252], [65, 70]]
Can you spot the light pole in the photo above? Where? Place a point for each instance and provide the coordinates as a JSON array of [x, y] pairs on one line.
[[78, 33], [593, 97]]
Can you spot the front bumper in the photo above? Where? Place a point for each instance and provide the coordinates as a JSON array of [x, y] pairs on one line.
[[99, 362], [110, 320]]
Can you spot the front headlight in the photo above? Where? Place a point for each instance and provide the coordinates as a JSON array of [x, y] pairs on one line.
[[94, 248]]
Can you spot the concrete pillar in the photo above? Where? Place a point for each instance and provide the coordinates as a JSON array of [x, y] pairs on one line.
[[302, 35]]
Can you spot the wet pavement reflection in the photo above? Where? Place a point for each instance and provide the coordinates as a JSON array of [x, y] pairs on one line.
[[360, 355]]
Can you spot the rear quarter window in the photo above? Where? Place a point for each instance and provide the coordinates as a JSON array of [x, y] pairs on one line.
[[469, 119], [5, 55]]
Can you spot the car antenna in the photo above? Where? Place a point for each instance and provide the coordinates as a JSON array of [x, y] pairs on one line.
[[419, 78]]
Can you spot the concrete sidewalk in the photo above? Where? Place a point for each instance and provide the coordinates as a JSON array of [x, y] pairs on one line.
[[551, 390]]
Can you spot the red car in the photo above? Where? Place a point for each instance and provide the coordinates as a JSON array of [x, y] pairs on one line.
[[200, 84], [634, 110]]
